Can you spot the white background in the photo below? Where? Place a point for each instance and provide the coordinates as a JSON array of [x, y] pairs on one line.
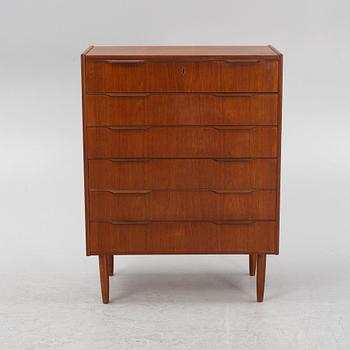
[[49, 291]]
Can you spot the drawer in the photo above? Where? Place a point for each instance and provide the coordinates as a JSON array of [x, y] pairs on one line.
[[177, 142], [182, 238], [181, 109], [214, 205], [164, 174], [243, 75]]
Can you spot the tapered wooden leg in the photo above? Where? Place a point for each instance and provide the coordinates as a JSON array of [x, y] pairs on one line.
[[252, 264], [104, 277], [260, 277], [111, 265]]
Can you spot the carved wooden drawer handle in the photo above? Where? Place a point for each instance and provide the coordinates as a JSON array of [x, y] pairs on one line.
[[136, 95], [130, 222], [234, 128], [250, 61], [130, 192], [233, 191], [129, 128], [232, 95], [122, 61], [123, 191], [232, 222], [130, 160], [233, 160]]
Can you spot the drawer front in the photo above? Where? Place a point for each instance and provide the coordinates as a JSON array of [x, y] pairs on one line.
[[182, 205], [177, 142], [182, 238], [181, 109], [207, 76], [163, 174]]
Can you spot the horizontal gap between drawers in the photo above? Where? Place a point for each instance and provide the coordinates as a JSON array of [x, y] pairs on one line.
[[182, 58], [211, 93], [216, 191], [216, 127], [223, 159], [149, 222]]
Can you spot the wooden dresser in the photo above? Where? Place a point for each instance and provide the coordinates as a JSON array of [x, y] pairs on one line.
[[182, 152]]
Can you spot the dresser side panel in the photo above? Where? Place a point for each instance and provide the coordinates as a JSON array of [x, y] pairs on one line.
[[279, 135], [85, 153]]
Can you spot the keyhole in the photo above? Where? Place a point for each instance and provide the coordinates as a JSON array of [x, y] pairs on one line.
[[183, 71]]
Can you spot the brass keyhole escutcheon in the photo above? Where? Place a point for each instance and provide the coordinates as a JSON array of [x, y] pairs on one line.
[[183, 71]]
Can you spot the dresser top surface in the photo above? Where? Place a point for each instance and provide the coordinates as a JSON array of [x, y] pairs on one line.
[[182, 51]]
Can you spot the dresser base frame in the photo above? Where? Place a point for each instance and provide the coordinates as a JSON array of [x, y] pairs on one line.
[[257, 262]]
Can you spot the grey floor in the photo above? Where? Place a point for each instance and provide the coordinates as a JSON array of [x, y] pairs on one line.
[[185, 302]]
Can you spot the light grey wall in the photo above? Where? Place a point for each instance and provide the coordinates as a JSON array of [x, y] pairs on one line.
[[41, 200]]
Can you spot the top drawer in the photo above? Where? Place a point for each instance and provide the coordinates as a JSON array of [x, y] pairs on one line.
[[243, 75]]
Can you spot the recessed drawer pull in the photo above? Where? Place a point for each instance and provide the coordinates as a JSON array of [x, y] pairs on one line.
[[233, 95], [130, 160], [139, 95], [242, 61], [130, 222], [234, 128], [123, 61], [233, 191], [232, 222], [233, 160], [129, 192], [129, 128]]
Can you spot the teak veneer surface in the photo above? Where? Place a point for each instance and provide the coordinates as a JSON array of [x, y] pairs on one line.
[[181, 174], [181, 51], [181, 109], [182, 205], [183, 237], [171, 76], [182, 142]]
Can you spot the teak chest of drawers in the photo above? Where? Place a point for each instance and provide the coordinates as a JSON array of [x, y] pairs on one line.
[[182, 152]]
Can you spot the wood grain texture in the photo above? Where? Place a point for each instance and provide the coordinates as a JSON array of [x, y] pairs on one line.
[[182, 205], [182, 238], [175, 52], [85, 144], [222, 76], [182, 142], [181, 109], [260, 277], [104, 277], [165, 174], [252, 264], [110, 265], [279, 146]]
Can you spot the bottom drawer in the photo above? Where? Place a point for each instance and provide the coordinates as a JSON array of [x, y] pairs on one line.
[[183, 238]]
